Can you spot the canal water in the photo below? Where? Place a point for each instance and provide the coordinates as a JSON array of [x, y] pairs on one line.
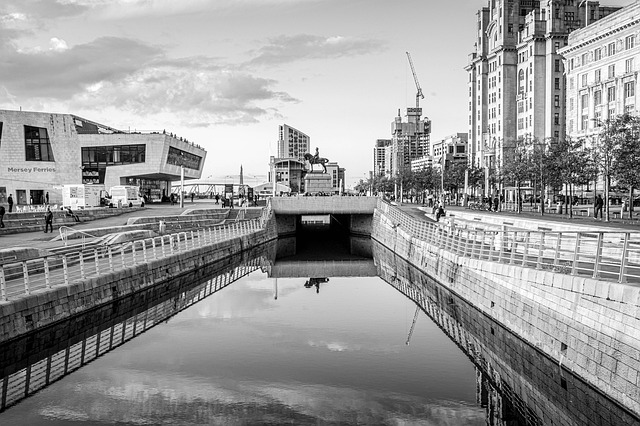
[[348, 335]]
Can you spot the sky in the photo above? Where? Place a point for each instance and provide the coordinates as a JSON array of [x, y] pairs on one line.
[[225, 73]]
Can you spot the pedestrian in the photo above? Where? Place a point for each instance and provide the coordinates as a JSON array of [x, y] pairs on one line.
[[217, 198], [192, 194], [48, 220], [496, 203], [72, 214], [1, 216], [10, 201], [439, 211], [597, 206], [172, 199], [46, 198]]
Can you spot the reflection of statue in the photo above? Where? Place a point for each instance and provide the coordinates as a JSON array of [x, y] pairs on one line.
[[316, 159], [315, 282]]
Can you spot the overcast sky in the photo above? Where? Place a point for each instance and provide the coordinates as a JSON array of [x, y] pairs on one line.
[[225, 73]]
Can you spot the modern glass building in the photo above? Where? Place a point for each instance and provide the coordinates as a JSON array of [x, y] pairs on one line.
[[40, 152]]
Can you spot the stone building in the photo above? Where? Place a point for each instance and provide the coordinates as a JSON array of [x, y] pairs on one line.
[[409, 140], [516, 81], [40, 152], [602, 63], [381, 156]]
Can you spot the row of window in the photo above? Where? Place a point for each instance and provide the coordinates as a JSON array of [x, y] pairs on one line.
[[113, 155], [610, 49], [628, 90]]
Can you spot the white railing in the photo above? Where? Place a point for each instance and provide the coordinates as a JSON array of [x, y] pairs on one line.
[[613, 256], [23, 277]]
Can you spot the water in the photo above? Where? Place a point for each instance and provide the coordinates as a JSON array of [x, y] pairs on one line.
[[249, 348]]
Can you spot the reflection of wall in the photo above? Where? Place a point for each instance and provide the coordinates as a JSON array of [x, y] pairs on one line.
[[69, 345], [516, 383], [539, 306]]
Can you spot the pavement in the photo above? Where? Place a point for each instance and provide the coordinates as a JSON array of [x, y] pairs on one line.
[[39, 239], [588, 222]]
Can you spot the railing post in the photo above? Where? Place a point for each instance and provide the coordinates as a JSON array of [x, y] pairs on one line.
[[144, 251], [133, 253], [526, 248], [466, 243], [171, 243], [65, 269], [514, 242], [596, 265], [540, 250], [193, 241], [45, 263], [503, 244], [162, 244], [556, 255], [576, 254], [81, 259], [622, 278], [110, 259], [153, 248], [25, 274], [3, 285], [95, 252], [124, 265]]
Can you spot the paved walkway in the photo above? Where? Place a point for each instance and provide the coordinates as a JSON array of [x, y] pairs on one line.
[[587, 222], [39, 239]]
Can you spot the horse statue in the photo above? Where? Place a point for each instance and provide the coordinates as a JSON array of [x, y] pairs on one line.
[[316, 159]]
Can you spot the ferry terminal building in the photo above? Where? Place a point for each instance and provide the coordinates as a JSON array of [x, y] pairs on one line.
[[40, 152]]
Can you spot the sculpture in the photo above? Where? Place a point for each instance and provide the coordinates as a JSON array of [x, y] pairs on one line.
[[316, 159]]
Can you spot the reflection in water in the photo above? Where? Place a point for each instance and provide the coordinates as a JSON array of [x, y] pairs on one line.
[[516, 384], [263, 351]]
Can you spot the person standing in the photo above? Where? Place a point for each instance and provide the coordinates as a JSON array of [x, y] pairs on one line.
[[192, 194], [46, 198], [597, 206], [48, 220], [1, 216], [217, 198], [10, 201]]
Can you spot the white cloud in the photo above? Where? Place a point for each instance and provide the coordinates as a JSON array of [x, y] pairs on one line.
[[58, 44]]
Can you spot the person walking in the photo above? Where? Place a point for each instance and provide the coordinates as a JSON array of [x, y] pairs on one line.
[[1, 216], [10, 201], [217, 198], [48, 220], [597, 206], [192, 194]]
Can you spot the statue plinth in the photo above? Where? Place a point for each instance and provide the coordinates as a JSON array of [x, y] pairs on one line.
[[315, 182]]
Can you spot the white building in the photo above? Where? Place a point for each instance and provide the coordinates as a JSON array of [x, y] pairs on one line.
[[292, 143], [602, 63], [40, 152]]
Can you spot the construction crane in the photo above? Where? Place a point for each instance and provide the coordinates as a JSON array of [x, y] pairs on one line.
[[413, 324], [419, 94]]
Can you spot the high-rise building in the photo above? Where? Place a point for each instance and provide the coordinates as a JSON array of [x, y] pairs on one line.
[[292, 143], [516, 81], [381, 156], [409, 140], [601, 61]]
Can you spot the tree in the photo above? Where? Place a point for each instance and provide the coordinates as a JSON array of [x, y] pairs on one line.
[[454, 177], [517, 166], [628, 154], [476, 178]]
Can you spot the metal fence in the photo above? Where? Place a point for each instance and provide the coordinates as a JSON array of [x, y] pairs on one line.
[[613, 256], [23, 277]]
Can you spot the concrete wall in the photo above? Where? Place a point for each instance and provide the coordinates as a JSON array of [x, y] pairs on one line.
[[44, 307], [323, 205], [592, 327]]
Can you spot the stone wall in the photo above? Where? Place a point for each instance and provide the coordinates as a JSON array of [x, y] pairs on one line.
[[591, 327]]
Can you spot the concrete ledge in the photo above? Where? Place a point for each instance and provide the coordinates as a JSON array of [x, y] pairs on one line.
[[323, 205]]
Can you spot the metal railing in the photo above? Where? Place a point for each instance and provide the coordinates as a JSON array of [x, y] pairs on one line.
[[613, 256], [23, 277]]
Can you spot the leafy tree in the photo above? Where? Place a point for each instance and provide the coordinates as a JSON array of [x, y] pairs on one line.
[[628, 154], [517, 166], [454, 177]]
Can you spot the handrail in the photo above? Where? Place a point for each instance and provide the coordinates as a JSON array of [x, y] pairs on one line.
[[24, 276], [603, 255], [64, 234]]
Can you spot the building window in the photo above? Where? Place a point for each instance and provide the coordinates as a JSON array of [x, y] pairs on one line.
[[629, 42], [611, 94], [628, 109], [629, 89], [612, 71], [585, 59], [611, 49], [585, 122], [597, 97], [571, 104], [597, 54], [37, 146], [556, 118], [628, 65], [585, 101], [557, 65], [556, 101], [583, 80], [557, 83], [178, 157]]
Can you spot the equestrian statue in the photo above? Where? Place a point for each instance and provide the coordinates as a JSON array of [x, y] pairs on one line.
[[316, 159]]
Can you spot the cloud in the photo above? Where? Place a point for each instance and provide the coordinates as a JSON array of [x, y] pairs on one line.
[[285, 49], [42, 9]]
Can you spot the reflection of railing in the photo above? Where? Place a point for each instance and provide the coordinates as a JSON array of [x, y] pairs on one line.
[[23, 277], [519, 380], [40, 374], [605, 255]]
